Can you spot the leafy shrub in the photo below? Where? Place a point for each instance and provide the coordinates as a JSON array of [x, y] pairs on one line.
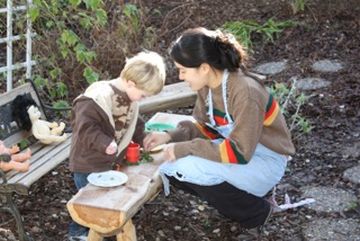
[[244, 30], [78, 43], [291, 101]]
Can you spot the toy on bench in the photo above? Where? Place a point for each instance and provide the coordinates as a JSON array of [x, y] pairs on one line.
[[10, 159], [27, 115]]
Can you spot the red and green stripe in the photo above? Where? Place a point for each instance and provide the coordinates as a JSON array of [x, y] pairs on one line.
[[220, 118], [208, 132], [230, 154], [272, 110]]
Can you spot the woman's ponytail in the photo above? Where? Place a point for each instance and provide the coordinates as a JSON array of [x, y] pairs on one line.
[[219, 50]]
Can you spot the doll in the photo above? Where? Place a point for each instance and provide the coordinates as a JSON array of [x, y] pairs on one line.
[[27, 115], [10, 159], [46, 132]]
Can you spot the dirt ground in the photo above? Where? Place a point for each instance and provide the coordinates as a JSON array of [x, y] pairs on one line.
[[327, 30]]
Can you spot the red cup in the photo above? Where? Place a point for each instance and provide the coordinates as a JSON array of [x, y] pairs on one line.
[[133, 152]]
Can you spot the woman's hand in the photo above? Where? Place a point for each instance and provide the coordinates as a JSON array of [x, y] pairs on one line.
[[154, 139], [169, 153]]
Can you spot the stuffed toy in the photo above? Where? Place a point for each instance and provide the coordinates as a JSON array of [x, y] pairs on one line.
[[27, 115], [10, 159], [46, 132]]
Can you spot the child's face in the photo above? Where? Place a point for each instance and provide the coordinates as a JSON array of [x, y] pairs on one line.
[[136, 94]]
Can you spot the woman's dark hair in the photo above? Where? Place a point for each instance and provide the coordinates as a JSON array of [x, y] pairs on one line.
[[219, 50]]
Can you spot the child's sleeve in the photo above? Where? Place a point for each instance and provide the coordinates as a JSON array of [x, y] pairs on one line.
[[139, 133], [90, 128]]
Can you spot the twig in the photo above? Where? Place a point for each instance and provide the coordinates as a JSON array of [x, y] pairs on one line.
[[6, 222], [293, 87], [171, 11], [295, 117], [178, 26]]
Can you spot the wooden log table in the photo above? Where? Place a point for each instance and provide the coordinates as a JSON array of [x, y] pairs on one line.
[[108, 211]]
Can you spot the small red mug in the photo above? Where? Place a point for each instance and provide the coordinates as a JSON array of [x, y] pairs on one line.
[[133, 152]]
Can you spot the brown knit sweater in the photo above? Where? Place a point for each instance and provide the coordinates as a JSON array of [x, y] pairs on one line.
[[257, 119], [93, 132]]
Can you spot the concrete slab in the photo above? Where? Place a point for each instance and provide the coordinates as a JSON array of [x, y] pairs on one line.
[[327, 65], [271, 68], [332, 230], [329, 199]]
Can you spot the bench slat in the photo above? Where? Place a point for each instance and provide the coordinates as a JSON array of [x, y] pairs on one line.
[[44, 160], [174, 95], [50, 163], [23, 89]]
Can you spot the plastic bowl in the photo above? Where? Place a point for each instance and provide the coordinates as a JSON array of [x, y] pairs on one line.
[[155, 126]]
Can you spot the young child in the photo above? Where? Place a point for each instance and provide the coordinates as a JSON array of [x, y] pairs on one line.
[[105, 117]]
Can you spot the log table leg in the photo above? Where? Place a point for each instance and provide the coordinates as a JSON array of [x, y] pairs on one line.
[[128, 233], [94, 236]]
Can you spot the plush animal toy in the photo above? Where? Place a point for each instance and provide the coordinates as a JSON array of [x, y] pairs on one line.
[[10, 159], [27, 115], [46, 132]]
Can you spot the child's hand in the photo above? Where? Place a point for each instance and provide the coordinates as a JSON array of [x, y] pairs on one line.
[[111, 149]]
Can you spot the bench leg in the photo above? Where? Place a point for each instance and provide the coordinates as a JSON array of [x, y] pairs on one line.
[[128, 233], [11, 208], [94, 236]]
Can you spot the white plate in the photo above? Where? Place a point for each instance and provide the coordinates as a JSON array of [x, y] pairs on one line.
[[107, 179]]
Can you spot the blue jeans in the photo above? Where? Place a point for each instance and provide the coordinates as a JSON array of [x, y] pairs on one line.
[[76, 229]]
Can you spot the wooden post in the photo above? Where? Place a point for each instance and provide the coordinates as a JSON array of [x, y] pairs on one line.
[[94, 236], [128, 233]]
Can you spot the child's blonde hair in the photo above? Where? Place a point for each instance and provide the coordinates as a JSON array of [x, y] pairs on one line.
[[146, 70]]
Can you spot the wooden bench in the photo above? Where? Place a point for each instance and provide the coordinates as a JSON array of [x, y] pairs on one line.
[[108, 211], [172, 96], [175, 95], [44, 157]]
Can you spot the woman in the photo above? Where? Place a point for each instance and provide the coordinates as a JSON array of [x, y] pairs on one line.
[[237, 149]]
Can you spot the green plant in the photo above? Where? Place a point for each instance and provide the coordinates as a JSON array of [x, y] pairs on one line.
[[133, 15], [207, 224], [63, 29], [291, 101], [145, 157], [352, 206], [76, 44], [244, 30], [132, 25], [298, 5]]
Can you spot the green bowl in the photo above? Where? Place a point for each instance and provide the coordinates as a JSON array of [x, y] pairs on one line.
[[157, 126]]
